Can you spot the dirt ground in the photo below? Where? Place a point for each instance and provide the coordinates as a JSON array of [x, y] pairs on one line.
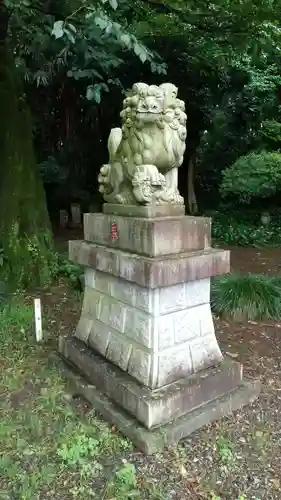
[[55, 448], [255, 260]]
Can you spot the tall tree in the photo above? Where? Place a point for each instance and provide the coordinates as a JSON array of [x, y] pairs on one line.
[[25, 236]]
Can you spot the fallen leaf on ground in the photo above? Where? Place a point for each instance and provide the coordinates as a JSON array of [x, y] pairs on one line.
[[276, 483], [183, 471]]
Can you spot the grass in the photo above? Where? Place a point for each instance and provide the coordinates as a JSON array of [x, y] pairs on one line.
[[55, 448], [49, 449], [247, 297]]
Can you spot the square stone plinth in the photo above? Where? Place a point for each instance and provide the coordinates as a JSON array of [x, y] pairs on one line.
[[152, 237], [211, 390], [151, 272]]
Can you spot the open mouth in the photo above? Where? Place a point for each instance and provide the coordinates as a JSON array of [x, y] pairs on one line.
[[148, 115], [152, 112]]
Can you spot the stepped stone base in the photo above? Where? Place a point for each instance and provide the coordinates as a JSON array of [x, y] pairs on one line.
[[145, 353], [179, 408]]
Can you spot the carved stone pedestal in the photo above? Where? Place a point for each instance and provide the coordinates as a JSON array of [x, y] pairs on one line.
[[145, 344]]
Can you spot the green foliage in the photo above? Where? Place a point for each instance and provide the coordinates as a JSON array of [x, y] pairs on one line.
[[80, 448], [225, 449], [224, 56], [248, 99], [71, 271], [256, 175], [108, 40], [247, 297], [271, 134], [89, 40], [16, 322], [233, 229], [16, 315], [126, 475], [124, 485], [4, 291], [2, 257]]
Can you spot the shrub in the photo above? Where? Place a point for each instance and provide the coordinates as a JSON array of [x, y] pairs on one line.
[[270, 133], [246, 297], [229, 230], [256, 175], [61, 266], [72, 271]]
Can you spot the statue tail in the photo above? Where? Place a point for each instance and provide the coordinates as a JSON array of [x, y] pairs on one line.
[[113, 143]]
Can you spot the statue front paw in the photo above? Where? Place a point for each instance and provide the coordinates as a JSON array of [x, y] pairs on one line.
[[105, 186], [125, 198], [178, 199], [144, 181]]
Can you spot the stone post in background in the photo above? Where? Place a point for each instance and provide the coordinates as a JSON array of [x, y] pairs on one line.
[[76, 215], [145, 346]]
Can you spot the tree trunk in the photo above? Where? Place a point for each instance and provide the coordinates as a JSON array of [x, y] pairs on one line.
[[25, 236], [191, 197]]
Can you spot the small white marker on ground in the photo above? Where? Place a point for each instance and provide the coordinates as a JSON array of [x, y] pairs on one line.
[[38, 320]]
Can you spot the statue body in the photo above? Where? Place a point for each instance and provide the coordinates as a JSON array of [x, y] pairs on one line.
[[145, 154]]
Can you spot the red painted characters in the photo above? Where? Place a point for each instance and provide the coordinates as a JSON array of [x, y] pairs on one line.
[[114, 232]]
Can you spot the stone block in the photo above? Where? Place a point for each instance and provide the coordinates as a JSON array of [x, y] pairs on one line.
[[184, 359], [140, 366], [192, 323], [89, 277], [151, 237], [102, 283], [158, 407], [123, 290], [118, 350], [140, 327], [147, 211], [99, 336], [151, 272], [146, 299], [91, 303], [83, 329], [113, 313], [173, 298], [204, 352], [173, 364], [166, 331]]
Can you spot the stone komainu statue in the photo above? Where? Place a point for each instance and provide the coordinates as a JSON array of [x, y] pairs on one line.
[[144, 156]]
